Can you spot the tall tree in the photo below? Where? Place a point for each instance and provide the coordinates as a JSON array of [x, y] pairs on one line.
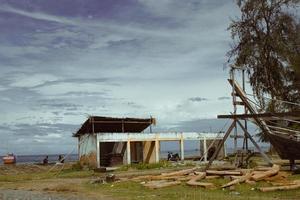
[[267, 44]]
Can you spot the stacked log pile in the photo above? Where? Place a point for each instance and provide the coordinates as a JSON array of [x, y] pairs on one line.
[[194, 177]]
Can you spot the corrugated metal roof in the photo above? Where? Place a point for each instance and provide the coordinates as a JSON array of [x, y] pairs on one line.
[[97, 124]]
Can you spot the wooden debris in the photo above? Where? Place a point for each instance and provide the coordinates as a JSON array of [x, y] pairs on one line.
[[235, 177], [181, 172], [212, 177], [223, 173], [263, 168], [200, 176], [202, 184], [238, 180], [184, 178], [275, 188], [161, 184], [192, 177], [193, 181], [260, 176]]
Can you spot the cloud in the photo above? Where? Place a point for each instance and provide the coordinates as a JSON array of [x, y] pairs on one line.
[[67, 60], [197, 99], [36, 15], [224, 98], [42, 129]]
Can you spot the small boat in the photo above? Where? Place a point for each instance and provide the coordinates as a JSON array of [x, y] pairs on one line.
[[9, 159]]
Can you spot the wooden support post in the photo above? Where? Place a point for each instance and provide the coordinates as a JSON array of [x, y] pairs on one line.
[[98, 153], [156, 150], [182, 147], [128, 153], [266, 158], [220, 146], [205, 149], [79, 142], [225, 149]]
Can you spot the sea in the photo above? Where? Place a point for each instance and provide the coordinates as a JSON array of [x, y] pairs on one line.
[[34, 159]]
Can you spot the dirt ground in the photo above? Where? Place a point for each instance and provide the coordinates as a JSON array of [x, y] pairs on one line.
[[34, 195]]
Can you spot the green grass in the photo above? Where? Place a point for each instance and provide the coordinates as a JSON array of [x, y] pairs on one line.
[[67, 173], [144, 166], [133, 190]]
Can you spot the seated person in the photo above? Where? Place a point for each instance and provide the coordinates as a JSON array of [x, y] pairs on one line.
[[45, 161]]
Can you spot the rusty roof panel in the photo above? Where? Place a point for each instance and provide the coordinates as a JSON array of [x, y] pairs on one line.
[[97, 124]]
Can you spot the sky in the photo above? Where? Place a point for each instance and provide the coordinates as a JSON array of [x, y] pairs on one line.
[[64, 60]]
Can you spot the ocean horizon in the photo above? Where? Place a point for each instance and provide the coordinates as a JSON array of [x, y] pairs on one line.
[[52, 158]]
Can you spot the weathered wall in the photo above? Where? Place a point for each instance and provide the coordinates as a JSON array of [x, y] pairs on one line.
[[136, 150], [149, 152], [88, 150], [220, 156]]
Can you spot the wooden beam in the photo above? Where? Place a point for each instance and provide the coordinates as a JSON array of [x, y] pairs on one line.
[[267, 116], [157, 150]]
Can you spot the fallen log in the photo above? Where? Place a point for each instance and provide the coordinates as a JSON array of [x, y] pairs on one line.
[[262, 175], [235, 177], [223, 173], [197, 178], [275, 188], [184, 178], [194, 181], [262, 168], [238, 180], [212, 177], [161, 184], [181, 172], [203, 184]]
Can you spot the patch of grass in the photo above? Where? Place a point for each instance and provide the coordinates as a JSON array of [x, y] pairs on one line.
[[61, 188], [75, 174], [66, 173], [133, 190], [144, 166]]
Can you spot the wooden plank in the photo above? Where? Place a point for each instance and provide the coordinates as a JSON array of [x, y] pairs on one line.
[[180, 172], [275, 188], [161, 184], [238, 180], [267, 116], [194, 181], [224, 173], [260, 176]]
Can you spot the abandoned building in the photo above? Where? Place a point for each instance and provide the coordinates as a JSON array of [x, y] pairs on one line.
[[107, 141]]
